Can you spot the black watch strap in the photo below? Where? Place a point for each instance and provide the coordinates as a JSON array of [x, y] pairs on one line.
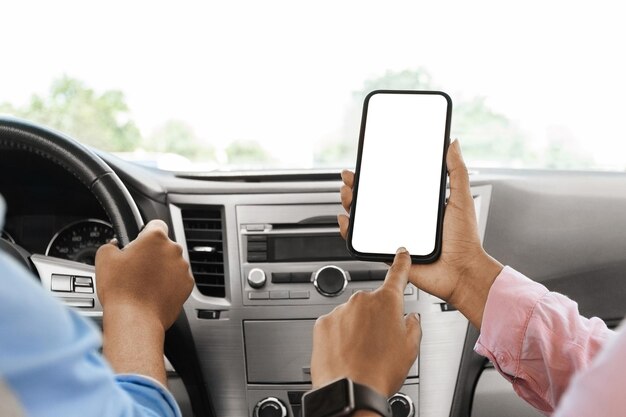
[[366, 398]]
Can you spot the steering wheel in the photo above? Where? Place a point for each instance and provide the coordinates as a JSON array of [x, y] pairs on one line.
[[119, 206], [102, 182]]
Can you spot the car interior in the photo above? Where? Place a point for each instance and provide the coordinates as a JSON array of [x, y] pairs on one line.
[[265, 251]]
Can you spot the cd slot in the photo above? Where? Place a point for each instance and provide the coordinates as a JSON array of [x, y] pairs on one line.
[[304, 225], [271, 230]]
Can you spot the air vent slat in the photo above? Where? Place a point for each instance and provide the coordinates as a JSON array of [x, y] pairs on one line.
[[204, 270], [205, 242], [204, 277], [199, 254], [201, 228], [208, 263], [195, 240], [203, 285]]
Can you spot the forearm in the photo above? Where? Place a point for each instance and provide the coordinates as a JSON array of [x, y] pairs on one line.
[[133, 342]]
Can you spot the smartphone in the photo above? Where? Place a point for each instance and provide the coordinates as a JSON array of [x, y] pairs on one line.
[[400, 180]]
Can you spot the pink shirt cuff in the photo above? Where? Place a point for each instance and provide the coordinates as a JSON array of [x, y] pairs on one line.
[[514, 295], [537, 339]]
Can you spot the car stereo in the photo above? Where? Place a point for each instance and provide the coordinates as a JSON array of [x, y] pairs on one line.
[[295, 255]]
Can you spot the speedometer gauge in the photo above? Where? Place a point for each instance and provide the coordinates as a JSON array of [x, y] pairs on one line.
[[80, 240]]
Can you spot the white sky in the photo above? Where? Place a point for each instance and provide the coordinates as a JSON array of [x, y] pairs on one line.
[[282, 72]]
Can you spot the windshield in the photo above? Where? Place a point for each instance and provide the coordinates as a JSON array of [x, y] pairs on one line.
[[238, 85]]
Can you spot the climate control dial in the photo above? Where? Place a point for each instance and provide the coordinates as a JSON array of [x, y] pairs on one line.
[[402, 405], [270, 407]]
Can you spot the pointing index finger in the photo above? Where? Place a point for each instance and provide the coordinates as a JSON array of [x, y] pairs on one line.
[[398, 276]]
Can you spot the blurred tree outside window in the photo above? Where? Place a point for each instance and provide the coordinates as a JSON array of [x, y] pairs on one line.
[[100, 120], [104, 121], [488, 138]]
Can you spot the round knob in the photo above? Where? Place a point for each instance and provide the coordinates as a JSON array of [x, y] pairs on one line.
[[402, 405], [256, 278], [270, 407], [330, 280]]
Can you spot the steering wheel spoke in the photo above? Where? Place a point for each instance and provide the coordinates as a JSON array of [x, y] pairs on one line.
[[72, 283]]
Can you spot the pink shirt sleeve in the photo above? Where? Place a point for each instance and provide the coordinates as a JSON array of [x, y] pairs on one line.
[[537, 340]]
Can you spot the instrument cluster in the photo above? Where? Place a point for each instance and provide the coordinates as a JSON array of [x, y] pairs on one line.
[[75, 240], [79, 241]]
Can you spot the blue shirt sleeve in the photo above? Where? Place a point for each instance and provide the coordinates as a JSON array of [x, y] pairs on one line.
[[49, 358]]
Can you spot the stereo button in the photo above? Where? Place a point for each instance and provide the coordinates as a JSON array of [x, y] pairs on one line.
[[281, 277], [303, 277], [255, 227], [258, 295], [257, 246], [257, 256], [359, 275], [61, 283], [299, 295], [378, 275], [279, 295]]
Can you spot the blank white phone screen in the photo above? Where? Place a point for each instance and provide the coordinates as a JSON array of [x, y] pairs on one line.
[[397, 200]]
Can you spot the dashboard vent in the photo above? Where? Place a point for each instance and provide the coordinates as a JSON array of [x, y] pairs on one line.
[[204, 234]]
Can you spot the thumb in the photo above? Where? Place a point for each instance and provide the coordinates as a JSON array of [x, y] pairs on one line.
[[459, 176], [155, 224], [152, 228], [107, 251]]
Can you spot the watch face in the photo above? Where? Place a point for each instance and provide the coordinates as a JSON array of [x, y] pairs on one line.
[[328, 401]]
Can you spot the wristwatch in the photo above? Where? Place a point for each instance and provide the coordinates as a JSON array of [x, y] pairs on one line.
[[342, 398]]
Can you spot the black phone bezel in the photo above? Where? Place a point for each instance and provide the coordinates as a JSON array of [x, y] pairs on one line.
[[418, 259]]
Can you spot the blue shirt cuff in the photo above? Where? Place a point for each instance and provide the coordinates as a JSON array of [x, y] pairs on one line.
[[149, 393]]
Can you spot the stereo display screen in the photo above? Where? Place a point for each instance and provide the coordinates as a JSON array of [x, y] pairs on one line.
[[307, 248]]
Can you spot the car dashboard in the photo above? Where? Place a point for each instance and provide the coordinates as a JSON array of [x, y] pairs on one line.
[[268, 260]]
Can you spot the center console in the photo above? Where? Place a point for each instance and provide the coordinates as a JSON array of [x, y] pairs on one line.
[[283, 265]]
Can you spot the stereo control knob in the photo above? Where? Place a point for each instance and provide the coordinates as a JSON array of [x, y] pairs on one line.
[[330, 280], [270, 407], [402, 405], [256, 278]]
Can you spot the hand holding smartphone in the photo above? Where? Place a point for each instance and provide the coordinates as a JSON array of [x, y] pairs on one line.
[[400, 179]]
